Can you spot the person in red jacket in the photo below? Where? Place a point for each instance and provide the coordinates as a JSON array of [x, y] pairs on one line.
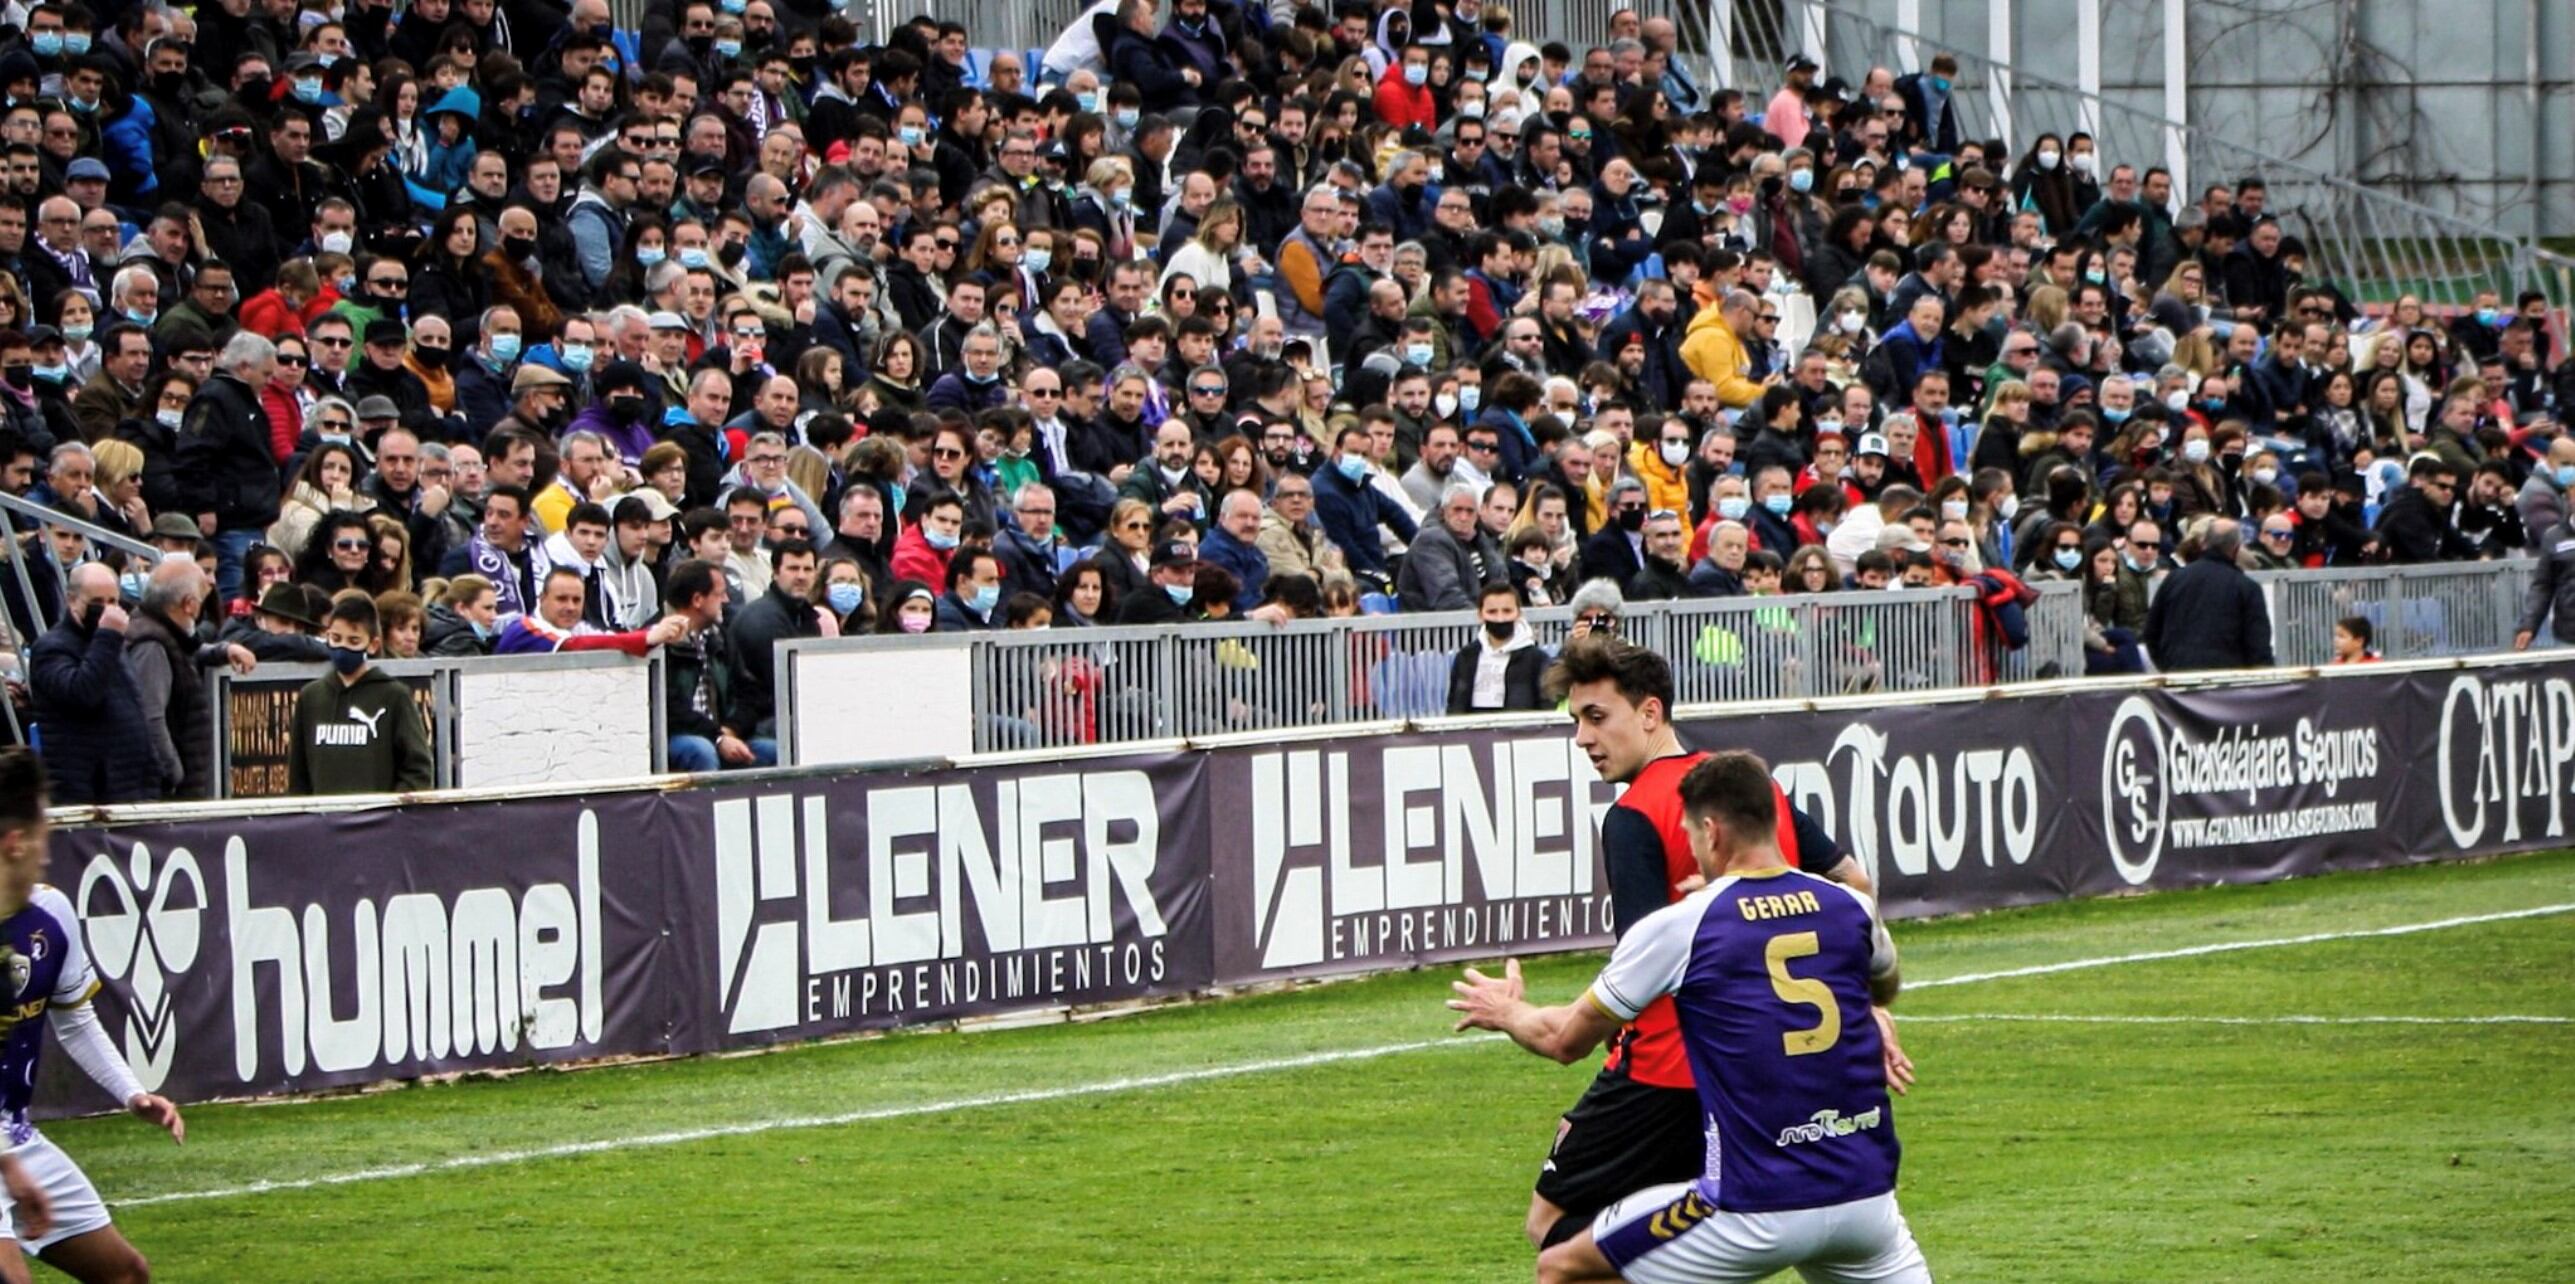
[[1404, 92], [278, 311]]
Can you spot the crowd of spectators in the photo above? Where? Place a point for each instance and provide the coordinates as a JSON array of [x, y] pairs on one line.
[[534, 336]]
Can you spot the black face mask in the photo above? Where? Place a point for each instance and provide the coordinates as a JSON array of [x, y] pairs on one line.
[[434, 358], [1631, 519], [518, 247], [21, 376], [625, 410], [170, 84], [254, 91], [730, 253], [1501, 630]]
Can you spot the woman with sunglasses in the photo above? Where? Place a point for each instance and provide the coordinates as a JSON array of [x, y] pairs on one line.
[[326, 484], [340, 554]]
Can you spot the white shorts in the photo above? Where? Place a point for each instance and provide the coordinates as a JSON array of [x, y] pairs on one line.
[[77, 1207], [1674, 1235]]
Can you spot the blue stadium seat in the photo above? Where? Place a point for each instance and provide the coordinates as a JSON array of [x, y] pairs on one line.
[[1379, 604]]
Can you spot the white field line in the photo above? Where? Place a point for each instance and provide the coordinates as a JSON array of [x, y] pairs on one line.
[[491, 1159], [2229, 947]]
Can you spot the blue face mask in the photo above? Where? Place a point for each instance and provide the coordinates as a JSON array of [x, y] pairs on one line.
[[2115, 416], [692, 256], [1352, 467], [75, 42], [505, 348], [139, 318], [482, 631], [651, 255], [46, 43], [909, 135], [308, 91], [1037, 260], [844, 598], [1468, 394], [76, 333], [728, 48], [1779, 504], [985, 599], [53, 374], [2565, 475], [576, 358], [1180, 593], [1417, 74], [1940, 84], [2067, 559], [1417, 354], [347, 660], [131, 585], [84, 108], [1801, 180], [939, 540], [1733, 507], [1127, 117]]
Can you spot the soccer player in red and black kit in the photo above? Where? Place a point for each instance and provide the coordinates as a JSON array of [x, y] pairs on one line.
[[1640, 1123]]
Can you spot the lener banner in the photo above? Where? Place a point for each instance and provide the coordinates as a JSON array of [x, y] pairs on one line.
[[247, 956]]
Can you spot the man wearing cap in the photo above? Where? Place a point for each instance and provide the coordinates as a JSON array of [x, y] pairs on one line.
[[380, 373], [175, 533], [1174, 576], [1786, 116]]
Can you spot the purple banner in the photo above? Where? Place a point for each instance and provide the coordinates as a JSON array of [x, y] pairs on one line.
[[249, 956]]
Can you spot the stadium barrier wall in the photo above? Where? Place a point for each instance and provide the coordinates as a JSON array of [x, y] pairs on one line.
[[292, 945]]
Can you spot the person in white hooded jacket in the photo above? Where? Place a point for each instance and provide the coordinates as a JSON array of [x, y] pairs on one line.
[[1504, 667]]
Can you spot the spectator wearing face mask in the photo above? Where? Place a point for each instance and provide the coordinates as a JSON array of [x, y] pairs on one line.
[[1503, 668], [357, 728]]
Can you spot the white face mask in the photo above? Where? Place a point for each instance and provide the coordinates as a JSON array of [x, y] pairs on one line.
[[1852, 321], [2010, 505], [1953, 510], [2047, 160]]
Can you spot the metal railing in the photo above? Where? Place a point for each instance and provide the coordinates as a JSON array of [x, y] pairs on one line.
[[2417, 612], [1063, 688], [43, 610]]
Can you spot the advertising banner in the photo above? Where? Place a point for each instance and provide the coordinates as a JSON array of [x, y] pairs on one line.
[[259, 730], [248, 956]]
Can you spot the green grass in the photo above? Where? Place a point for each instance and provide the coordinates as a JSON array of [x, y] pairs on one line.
[[2033, 1151]]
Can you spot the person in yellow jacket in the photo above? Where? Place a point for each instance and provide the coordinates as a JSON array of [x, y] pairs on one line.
[[1662, 461], [1714, 353]]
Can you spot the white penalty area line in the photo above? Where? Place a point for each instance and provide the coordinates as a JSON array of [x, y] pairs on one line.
[[2230, 947], [1178, 1078], [753, 1128]]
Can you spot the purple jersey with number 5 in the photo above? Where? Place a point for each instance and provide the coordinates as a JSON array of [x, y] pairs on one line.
[[1770, 975]]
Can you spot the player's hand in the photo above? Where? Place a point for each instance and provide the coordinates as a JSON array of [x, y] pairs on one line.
[[1487, 1000], [1899, 1067], [161, 1113], [29, 1206]]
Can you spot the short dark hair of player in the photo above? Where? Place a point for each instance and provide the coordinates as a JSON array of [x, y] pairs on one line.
[[1638, 673], [1733, 788], [22, 789]]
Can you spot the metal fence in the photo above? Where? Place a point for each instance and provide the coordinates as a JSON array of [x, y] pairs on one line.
[[1063, 688], [2417, 612]]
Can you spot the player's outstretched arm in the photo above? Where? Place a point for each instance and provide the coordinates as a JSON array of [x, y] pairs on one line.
[[1563, 1034], [76, 1027]]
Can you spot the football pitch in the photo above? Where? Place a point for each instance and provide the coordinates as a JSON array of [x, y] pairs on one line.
[[2366, 1076]]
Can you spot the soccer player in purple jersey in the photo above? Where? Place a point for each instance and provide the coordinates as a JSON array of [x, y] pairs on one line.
[[1772, 971], [53, 1211]]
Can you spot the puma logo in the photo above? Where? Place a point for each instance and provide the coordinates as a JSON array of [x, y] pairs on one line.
[[368, 718]]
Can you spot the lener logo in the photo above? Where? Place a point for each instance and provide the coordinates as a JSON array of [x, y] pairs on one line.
[[140, 920], [1468, 846], [1040, 889], [2135, 796]]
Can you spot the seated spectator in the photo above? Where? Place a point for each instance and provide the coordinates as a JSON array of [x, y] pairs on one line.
[[557, 624], [1174, 588], [701, 672], [973, 599], [1450, 561], [1502, 667]]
